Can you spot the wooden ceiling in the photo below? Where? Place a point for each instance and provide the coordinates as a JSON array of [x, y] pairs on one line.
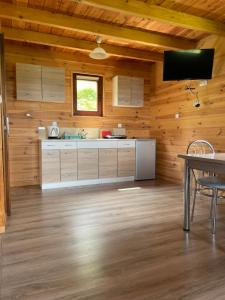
[[134, 29]]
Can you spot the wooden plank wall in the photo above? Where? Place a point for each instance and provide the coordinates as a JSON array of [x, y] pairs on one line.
[[2, 182], [208, 122], [2, 177], [23, 141]]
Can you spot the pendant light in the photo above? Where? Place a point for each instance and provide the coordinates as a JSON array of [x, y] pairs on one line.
[[98, 52]]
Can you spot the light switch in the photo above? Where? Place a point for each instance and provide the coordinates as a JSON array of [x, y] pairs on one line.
[[177, 115]]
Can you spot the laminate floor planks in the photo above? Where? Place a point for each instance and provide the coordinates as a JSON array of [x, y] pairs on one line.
[[101, 243]]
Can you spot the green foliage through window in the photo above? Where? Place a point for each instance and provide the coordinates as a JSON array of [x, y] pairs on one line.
[[87, 96]]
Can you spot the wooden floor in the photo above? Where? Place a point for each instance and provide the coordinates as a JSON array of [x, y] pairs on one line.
[[100, 243]]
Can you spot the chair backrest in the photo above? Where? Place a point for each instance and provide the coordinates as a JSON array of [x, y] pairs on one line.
[[200, 147]]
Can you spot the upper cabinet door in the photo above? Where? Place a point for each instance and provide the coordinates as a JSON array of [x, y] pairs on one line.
[[121, 90], [128, 91], [28, 82], [53, 84], [137, 91]]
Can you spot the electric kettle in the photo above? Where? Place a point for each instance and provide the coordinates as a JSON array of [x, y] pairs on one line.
[[53, 131]]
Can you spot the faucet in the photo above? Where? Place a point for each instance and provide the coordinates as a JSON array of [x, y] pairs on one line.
[[82, 133]]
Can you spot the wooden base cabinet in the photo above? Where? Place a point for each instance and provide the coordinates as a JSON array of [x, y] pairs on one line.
[[87, 164], [68, 160], [50, 166], [126, 162], [107, 163]]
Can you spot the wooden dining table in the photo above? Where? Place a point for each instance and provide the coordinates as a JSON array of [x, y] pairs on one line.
[[213, 163]]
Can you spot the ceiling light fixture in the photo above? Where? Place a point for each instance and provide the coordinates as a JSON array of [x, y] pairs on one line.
[[99, 52]]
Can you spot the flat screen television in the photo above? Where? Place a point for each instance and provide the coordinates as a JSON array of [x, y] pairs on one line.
[[196, 64]]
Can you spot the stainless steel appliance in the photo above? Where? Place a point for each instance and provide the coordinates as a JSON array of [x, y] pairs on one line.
[[145, 159]]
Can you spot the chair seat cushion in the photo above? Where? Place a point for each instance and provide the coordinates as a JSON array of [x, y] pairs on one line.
[[212, 182]]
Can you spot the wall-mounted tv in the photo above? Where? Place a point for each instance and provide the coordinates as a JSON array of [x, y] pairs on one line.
[[196, 64]]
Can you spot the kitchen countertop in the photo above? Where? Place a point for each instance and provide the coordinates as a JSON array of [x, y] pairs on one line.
[[84, 140], [88, 140]]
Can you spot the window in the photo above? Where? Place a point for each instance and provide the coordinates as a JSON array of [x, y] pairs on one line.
[[87, 95]]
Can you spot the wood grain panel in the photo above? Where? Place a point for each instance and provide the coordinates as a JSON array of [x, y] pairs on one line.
[[107, 163], [87, 164], [50, 166], [155, 12], [68, 164], [126, 162], [116, 245], [207, 122], [96, 243], [209, 9], [65, 22], [53, 84], [137, 91], [5, 203], [2, 181], [72, 43], [24, 153], [122, 90], [28, 82]]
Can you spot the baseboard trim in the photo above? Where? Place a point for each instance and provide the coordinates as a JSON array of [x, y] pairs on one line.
[[56, 185]]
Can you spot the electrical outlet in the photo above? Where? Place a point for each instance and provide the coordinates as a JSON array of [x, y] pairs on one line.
[[203, 82]]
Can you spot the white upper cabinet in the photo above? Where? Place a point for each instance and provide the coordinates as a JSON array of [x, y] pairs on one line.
[[40, 83], [128, 91]]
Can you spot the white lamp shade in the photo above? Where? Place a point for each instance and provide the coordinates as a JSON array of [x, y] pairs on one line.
[[98, 53]]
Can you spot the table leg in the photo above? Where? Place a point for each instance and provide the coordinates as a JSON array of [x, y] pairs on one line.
[[186, 197]]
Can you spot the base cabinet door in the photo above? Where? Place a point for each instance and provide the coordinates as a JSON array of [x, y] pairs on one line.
[[50, 166], [107, 163], [87, 164], [68, 165], [126, 162]]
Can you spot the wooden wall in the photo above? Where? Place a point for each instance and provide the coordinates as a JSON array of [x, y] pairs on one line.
[[23, 142], [2, 182], [156, 119], [2, 157], [208, 122]]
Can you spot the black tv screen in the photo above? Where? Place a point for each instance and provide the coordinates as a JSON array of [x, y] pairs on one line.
[[193, 64]]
